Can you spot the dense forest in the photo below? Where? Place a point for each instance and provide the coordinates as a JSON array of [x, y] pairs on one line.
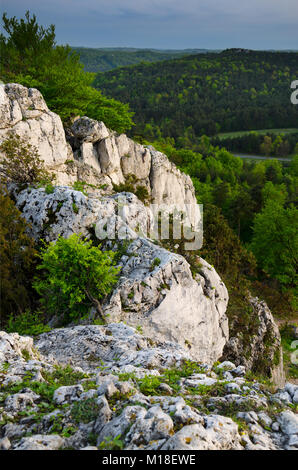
[[277, 144], [207, 93], [102, 60]]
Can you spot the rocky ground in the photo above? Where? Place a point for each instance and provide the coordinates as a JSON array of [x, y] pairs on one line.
[[110, 387]]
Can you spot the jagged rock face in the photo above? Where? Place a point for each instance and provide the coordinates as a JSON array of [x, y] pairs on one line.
[[119, 157], [264, 345], [89, 130], [118, 390], [66, 211], [169, 185], [24, 112], [98, 156], [115, 344], [160, 296], [168, 303]]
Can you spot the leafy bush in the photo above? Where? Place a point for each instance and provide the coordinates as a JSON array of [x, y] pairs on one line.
[[75, 275], [110, 443], [21, 163], [63, 376], [275, 241], [85, 411], [142, 193], [17, 255], [27, 324]]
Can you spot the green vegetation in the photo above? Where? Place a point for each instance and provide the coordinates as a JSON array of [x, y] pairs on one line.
[[275, 241], [60, 376], [20, 163], [277, 143], [63, 376], [30, 56], [27, 323], [132, 185], [206, 94], [156, 262], [149, 385], [75, 275], [85, 411], [17, 254], [290, 347], [110, 443]]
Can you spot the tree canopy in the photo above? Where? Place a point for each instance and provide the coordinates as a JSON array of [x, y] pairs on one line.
[[30, 56], [74, 276]]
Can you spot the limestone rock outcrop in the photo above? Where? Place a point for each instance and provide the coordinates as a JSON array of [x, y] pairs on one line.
[[24, 112], [90, 152], [66, 211], [156, 288]]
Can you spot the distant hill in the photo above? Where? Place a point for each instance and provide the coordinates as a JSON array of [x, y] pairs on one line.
[[104, 59], [186, 97]]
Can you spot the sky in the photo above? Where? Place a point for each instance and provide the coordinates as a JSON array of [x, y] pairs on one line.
[[167, 24]]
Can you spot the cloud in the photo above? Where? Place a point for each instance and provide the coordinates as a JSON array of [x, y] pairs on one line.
[[167, 23], [275, 10]]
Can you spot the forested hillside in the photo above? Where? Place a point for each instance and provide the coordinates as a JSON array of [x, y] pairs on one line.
[[102, 60], [207, 93]]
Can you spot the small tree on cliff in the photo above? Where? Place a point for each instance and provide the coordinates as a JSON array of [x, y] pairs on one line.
[[75, 276], [20, 162], [17, 258]]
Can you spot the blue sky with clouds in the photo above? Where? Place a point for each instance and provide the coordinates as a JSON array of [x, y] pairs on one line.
[[170, 24]]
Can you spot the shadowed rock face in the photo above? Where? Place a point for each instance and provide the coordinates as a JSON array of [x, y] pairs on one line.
[[264, 345]]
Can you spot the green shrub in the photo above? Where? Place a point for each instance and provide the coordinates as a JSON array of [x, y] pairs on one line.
[[156, 262], [63, 376], [85, 411], [21, 162], [80, 186], [17, 260], [27, 324], [110, 443], [50, 188], [75, 208], [142, 193], [75, 276]]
